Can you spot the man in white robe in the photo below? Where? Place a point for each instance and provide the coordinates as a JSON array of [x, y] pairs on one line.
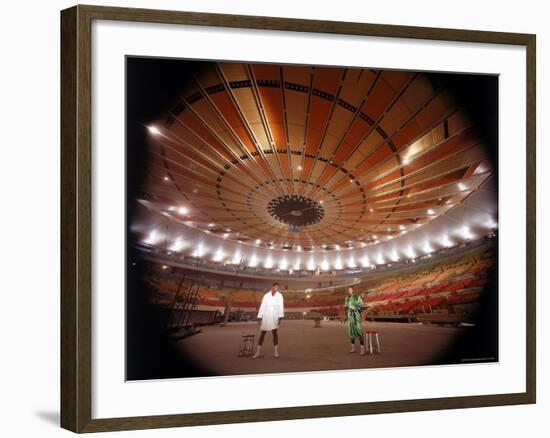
[[269, 317]]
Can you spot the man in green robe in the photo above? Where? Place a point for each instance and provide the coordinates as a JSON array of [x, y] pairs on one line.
[[353, 306]]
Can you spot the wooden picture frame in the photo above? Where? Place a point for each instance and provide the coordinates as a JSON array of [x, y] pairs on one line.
[[76, 218]]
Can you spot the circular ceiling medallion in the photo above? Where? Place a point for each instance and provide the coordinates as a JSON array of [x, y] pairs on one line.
[[295, 211]]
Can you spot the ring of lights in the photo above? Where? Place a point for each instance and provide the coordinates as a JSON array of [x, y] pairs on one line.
[[366, 155]]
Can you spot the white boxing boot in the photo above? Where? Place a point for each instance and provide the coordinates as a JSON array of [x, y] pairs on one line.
[[352, 349], [362, 353], [258, 350], [276, 350]]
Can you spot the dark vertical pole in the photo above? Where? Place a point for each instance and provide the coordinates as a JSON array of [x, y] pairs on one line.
[[185, 304], [230, 296], [175, 302], [191, 303]]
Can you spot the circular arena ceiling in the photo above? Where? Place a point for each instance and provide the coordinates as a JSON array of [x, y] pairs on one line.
[[304, 158]]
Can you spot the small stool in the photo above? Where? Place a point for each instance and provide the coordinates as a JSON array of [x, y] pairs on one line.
[[368, 337], [247, 346]]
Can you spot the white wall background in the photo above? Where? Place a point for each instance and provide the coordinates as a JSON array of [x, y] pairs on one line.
[[29, 195]]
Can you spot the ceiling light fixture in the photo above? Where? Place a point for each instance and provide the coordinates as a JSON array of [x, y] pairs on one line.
[[446, 242], [218, 257], [253, 261], [268, 262], [466, 232]]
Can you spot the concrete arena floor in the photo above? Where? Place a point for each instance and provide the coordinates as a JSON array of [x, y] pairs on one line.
[[305, 348]]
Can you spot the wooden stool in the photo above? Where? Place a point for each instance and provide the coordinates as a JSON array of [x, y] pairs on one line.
[[247, 346], [368, 337]]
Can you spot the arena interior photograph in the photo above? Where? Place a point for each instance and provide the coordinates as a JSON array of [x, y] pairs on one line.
[[308, 218]]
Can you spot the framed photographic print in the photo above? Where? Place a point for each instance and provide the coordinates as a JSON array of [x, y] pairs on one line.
[[268, 218]]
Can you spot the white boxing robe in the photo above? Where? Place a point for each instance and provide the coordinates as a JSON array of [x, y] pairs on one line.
[[271, 309]]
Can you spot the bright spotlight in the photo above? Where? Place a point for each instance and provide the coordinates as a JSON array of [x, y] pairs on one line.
[[253, 261], [153, 130], [365, 262], [218, 257], [153, 238], [199, 251], [178, 245], [445, 241], [466, 232]]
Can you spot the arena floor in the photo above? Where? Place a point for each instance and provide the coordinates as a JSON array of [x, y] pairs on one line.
[[305, 348]]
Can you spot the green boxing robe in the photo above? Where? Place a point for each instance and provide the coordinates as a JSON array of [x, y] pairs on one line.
[[354, 306]]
